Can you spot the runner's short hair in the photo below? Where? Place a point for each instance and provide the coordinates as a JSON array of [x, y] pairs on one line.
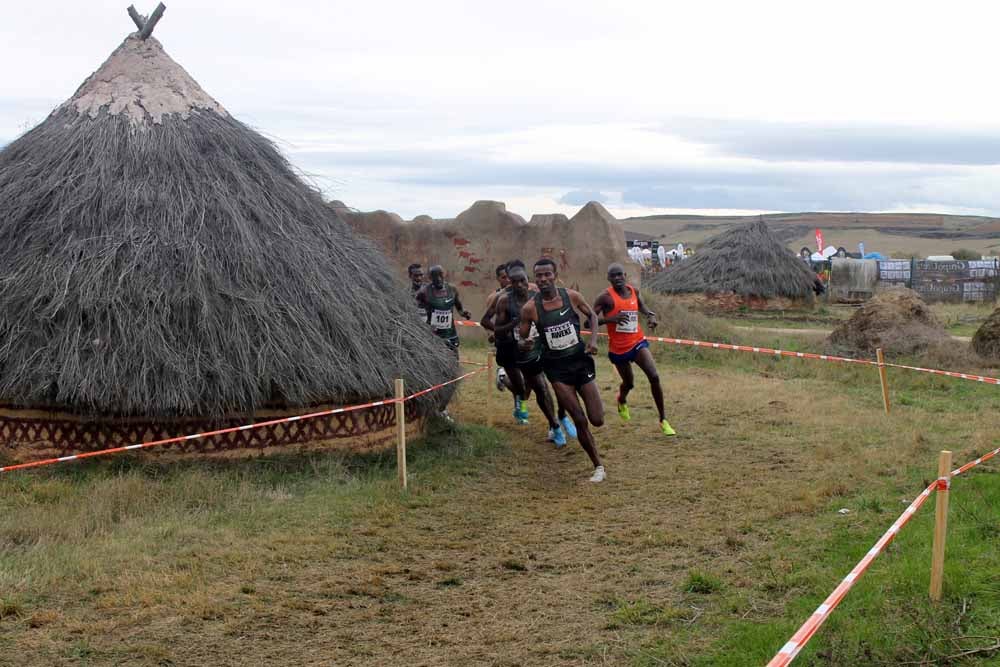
[[546, 260], [410, 268], [516, 262], [501, 268], [515, 268]]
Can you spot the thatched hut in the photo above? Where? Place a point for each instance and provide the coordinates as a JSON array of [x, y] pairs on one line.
[[743, 267], [163, 269]]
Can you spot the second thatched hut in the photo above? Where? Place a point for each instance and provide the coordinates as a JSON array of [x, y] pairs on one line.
[[744, 267]]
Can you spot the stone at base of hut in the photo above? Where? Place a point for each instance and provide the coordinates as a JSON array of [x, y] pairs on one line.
[[897, 320], [727, 302], [986, 341]]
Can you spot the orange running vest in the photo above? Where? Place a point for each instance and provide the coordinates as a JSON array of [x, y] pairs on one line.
[[622, 338]]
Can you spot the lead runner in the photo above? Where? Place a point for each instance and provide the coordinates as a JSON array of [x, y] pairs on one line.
[[568, 362]]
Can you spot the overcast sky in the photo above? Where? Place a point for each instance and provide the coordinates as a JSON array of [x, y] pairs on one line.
[[424, 107]]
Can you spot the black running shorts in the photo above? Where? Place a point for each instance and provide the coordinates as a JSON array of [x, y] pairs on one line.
[[575, 371], [507, 354], [531, 368]]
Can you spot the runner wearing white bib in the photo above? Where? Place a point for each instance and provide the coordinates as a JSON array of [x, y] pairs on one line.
[[566, 359], [524, 367], [618, 308], [440, 300]]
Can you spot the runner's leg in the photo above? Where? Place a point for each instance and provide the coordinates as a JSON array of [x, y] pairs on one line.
[[542, 397], [592, 401], [644, 360], [628, 380], [566, 395]]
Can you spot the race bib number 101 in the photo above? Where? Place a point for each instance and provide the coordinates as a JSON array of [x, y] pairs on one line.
[[441, 319]]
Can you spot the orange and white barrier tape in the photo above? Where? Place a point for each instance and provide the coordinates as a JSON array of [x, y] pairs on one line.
[[233, 429], [809, 628], [972, 464], [798, 355]]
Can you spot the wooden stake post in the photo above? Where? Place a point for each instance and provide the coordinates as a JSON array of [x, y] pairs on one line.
[[883, 379], [489, 388], [401, 434], [940, 525]]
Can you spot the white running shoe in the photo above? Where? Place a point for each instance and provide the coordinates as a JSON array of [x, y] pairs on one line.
[[598, 475], [501, 376]]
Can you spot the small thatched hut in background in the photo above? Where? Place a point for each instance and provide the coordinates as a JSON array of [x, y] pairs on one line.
[[986, 340], [744, 267], [163, 269]]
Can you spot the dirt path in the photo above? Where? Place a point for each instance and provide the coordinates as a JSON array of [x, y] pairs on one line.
[[522, 561]]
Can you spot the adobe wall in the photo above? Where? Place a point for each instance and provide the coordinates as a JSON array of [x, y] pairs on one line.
[[473, 244]]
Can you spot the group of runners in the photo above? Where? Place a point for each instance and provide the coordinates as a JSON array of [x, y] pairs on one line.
[[536, 327]]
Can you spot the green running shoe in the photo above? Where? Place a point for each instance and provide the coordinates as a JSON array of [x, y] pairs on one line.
[[623, 411], [666, 428]]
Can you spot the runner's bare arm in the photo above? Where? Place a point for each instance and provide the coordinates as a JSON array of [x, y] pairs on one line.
[[576, 300], [422, 296], [528, 315], [458, 306], [650, 315], [487, 321], [501, 325], [603, 304]]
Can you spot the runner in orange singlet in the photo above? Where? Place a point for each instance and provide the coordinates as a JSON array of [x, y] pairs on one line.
[[618, 307]]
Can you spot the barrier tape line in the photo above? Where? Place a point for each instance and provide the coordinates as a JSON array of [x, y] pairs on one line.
[[809, 628], [233, 429], [972, 464], [798, 355]]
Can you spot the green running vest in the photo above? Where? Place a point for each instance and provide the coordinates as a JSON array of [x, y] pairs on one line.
[[440, 312], [559, 329]]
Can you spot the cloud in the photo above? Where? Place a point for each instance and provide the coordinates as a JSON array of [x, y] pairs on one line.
[[842, 143], [581, 197]]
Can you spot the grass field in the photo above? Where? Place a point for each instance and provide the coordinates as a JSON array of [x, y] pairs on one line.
[[707, 549]]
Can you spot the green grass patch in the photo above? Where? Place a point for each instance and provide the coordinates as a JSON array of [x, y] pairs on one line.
[[887, 618]]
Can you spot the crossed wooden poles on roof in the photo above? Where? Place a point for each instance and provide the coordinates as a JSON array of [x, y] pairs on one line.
[[146, 25]]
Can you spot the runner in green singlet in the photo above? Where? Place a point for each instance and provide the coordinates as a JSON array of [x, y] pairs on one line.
[[440, 299], [524, 367], [567, 361]]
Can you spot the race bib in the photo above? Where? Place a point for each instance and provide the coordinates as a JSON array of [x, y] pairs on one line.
[[422, 313], [532, 334], [631, 325], [441, 319], [561, 336]]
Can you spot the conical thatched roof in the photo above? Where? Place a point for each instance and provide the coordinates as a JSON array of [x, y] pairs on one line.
[[160, 258], [747, 260]]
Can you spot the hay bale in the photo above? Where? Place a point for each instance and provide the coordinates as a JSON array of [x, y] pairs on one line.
[[898, 321], [986, 341]]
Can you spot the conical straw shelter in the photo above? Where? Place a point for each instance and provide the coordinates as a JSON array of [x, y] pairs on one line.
[[161, 265], [742, 267]]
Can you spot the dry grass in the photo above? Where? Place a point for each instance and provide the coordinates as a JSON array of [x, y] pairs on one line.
[[495, 557]]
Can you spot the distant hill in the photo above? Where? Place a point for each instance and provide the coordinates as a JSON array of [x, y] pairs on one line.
[[898, 233]]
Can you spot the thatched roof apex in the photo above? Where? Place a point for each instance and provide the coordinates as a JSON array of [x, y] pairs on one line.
[[745, 260], [185, 269], [142, 83]]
